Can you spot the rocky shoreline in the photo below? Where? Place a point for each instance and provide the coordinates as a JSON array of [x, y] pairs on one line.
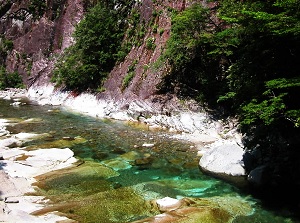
[[218, 142], [18, 169], [218, 145]]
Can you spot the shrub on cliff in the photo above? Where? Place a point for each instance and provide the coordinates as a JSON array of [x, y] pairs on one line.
[[98, 42], [10, 80], [193, 69]]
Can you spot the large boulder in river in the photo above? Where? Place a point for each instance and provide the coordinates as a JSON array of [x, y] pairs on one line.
[[224, 161]]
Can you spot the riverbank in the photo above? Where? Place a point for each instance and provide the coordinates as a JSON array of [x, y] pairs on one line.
[[18, 169], [218, 142]]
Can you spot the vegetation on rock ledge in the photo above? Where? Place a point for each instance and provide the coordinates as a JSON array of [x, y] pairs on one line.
[[98, 38], [7, 80]]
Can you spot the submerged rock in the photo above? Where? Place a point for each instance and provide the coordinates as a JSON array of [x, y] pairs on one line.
[[143, 161], [130, 156], [61, 143], [194, 210], [117, 164]]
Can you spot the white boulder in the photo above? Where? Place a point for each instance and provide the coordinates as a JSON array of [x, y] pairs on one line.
[[224, 159]]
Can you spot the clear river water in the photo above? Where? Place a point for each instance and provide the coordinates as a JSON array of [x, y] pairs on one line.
[[117, 174]]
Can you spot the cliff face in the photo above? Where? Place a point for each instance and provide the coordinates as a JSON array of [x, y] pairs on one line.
[[41, 32], [38, 34], [145, 80]]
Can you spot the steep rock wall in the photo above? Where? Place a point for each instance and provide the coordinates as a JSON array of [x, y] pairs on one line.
[[147, 76], [37, 39]]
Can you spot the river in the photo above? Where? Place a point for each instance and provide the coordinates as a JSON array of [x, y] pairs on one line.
[[122, 166]]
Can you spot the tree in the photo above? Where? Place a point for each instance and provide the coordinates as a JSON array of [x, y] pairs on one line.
[[193, 69], [98, 40], [10, 80]]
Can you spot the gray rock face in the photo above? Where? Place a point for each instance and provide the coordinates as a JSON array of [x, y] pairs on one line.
[[224, 159], [258, 176], [36, 40]]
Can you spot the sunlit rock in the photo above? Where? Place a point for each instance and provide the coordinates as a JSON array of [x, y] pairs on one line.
[[39, 162], [3, 132], [187, 122], [9, 121], [224, 159], [9, 142], [155, 127], [12, 154], [7, 97], [32, 120], [168, 204], [16, 104], [148, 145], [120, 116], [24, 136], [18, 139]]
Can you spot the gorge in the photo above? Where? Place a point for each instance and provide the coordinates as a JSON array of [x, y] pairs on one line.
[[196, 69]]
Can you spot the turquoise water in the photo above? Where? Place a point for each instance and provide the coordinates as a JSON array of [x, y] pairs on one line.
[[122, 167]]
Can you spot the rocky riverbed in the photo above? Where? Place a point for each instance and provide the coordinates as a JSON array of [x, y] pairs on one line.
[[214, 141]]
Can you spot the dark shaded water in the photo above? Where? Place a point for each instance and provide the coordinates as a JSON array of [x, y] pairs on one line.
[[119, 174]]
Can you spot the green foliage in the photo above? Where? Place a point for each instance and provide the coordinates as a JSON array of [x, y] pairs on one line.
[[187, 27], [10, 80], [5, 47], [161, 31], [127, 79], [283, 83], [130, 74], [246, 63], [275, 107], [189, 53], [150, 44], [37, 8], [267, 110], [227, 96], [263, 72], [136, 29], [98, 46]]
